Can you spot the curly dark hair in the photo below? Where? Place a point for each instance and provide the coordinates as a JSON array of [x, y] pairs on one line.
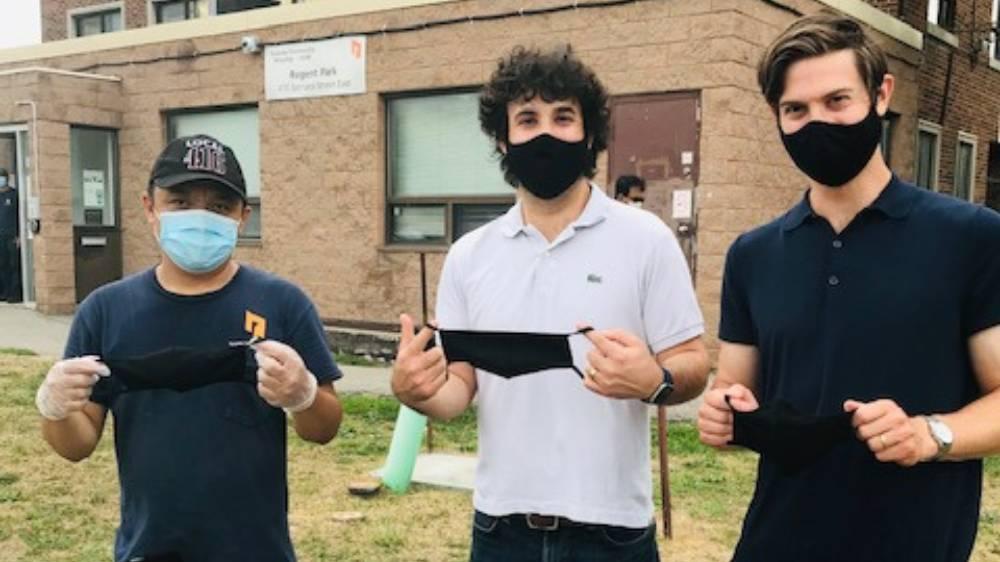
[[555, 74]]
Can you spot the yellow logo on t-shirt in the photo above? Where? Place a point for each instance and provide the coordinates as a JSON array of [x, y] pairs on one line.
[[255, 325]]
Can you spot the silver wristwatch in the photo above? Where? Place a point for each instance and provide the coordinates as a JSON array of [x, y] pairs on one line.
[[942, 436]]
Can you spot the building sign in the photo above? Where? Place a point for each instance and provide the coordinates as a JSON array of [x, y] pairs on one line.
[[93, 189], [335, 67]]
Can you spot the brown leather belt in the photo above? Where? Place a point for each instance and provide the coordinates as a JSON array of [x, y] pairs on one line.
[[540, 522]]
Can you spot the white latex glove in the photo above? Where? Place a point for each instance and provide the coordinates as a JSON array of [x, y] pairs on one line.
[[282, 378], [67, 386]]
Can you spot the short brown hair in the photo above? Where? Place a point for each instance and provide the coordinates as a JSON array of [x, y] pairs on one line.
[[817, 35]]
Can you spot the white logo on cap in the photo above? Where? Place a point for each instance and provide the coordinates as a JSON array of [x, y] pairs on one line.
[[205, 155]]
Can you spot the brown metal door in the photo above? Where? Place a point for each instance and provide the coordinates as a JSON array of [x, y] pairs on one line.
[[656, 137], [97, 241]]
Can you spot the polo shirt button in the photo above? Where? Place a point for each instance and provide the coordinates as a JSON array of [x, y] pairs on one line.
[[838, 244], [834, 280]]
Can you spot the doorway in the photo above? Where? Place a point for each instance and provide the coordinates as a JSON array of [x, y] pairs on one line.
[[18, 274], [97, 239], [656, 137]]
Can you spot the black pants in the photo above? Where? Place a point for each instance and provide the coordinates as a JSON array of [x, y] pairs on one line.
[[10, 269]]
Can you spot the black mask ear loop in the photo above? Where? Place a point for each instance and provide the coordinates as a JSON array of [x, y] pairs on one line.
[[580, 332], [431, 343]]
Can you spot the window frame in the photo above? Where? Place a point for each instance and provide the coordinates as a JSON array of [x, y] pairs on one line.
[[945, 19], [153, 10], [934, 129], [73, 16], [113, 178], [995, 36], [271, 4], [970, 140], [254, 202], [449, 202]]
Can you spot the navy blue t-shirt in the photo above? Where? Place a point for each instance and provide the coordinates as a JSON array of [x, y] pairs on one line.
[[884, 309], [8, 214], [203, 472]]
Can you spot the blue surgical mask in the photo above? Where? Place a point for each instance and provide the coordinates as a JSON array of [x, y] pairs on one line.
[[197, 241], [3, 182]]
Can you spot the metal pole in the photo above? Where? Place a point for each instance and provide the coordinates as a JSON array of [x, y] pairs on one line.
[[661, 422], [423, 309]]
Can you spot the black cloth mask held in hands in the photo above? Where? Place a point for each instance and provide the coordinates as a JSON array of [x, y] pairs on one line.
[[834, 154], [784, 436], [509, 354], [547, 166], [181, 369]]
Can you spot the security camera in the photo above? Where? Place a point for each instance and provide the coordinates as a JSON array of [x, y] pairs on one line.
[[250, 44]]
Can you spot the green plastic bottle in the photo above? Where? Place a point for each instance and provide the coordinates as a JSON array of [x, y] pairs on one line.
[[406, 439]]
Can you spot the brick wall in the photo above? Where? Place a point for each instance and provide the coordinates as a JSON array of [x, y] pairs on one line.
[[54, 20], [971, 101], [322, 159], [61, 101], [893, 7], [7, 144]]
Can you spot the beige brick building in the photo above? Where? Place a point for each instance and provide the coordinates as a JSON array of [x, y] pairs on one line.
[[344, 205]]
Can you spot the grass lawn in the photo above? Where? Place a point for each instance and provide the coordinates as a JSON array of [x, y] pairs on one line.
[[52, 510]]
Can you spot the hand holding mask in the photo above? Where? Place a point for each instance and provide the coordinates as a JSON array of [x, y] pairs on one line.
[[890, 433], [282, 378], [418, 373], [715, 416], [621, 365], [68, 385]]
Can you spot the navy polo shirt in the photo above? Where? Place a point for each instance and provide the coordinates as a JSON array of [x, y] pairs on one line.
[[883, 309], [203, 472]]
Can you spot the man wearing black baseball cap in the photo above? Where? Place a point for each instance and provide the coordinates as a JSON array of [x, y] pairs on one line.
[[199, 359]]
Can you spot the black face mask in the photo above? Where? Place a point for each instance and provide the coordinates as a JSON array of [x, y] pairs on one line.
[[834, 154], [547, 166], [181, 369], [509, 354], [792, 440]]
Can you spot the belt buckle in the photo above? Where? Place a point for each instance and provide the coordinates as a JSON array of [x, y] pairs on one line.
[[542, 522]]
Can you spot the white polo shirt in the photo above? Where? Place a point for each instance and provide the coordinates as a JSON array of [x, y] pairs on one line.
[[547, 444]]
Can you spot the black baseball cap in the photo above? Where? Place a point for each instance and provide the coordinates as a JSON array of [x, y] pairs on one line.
[[198, 158]]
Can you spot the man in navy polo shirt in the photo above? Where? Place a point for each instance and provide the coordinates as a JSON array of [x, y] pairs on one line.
[[202, 466], [871, 297]]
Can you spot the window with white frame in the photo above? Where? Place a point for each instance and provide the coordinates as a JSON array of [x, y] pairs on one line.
[[239, 128], [167, 11], [94, 20], [965, 166], [995, 35], [443, 179], [928, 154], [941, 13]]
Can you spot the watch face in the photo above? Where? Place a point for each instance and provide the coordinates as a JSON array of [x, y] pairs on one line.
[[942, 431]]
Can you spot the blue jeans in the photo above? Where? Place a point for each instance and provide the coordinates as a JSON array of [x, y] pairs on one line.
[[509, 539]]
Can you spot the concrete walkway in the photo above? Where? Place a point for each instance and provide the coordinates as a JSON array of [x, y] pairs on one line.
[[24, 328]]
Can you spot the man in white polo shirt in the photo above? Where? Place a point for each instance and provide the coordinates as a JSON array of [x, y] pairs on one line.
[[564, 464]]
